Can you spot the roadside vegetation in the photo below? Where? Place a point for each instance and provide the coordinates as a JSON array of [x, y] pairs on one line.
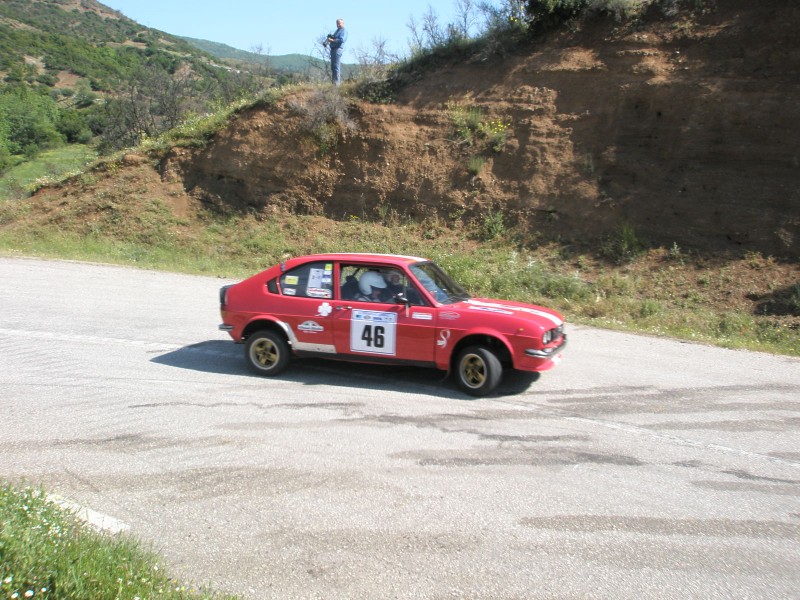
[[624, 285], [622, 282], [46, 552]]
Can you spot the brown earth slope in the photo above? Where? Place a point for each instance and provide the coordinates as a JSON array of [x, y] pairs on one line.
[[688, 133]]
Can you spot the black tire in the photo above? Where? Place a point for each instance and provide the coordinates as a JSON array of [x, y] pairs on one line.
[[478, 370], [266, 353]]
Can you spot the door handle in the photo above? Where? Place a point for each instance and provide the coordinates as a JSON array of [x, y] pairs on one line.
[[344, 308]]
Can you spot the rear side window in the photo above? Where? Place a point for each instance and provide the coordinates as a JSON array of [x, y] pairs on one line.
[[312, 280]]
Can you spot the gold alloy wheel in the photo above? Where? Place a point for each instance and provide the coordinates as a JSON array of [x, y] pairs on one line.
[[473, 370], [265, 353]]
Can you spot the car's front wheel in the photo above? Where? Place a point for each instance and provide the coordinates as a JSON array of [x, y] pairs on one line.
[[478, 370], [267, 353]]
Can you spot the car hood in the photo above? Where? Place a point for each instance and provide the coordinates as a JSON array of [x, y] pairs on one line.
[[546, 317]]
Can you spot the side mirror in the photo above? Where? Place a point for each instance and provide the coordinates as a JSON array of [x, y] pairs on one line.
[[401, 299]]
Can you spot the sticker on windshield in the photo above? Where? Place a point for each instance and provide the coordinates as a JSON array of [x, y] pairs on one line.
[[373, 332]]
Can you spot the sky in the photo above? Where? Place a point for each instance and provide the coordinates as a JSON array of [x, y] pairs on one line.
[[288, 27]]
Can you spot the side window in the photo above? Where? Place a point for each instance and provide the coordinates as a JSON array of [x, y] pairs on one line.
[[349, 281], [314, 280], [373, 283]]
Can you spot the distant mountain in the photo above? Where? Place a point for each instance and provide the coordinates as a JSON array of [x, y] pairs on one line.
[[287, 63], [85, 38]]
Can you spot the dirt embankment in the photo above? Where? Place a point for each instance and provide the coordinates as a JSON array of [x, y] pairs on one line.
[[688, 133]]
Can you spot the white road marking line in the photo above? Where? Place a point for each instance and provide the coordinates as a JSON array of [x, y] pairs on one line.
[[94, 519]]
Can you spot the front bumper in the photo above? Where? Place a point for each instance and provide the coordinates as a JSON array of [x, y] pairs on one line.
[[547, 353]]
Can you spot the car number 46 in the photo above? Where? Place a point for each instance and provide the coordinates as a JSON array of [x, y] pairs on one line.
[[373, 332]]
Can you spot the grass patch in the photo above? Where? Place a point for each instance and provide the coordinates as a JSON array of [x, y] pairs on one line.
[[46, 552], [47, 167]]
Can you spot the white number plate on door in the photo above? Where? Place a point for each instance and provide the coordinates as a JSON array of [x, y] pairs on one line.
[[373, 331]]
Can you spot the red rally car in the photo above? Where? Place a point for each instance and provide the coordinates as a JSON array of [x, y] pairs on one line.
[[386, 309]]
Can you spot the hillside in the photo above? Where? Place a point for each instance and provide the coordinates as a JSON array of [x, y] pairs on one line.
[[84, 39], [680, 136], [688, 134]]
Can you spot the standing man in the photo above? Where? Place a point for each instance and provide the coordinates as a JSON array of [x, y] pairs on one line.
[[336, 42]]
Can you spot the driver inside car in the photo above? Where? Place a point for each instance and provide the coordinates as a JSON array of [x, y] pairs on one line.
[[371, 287]]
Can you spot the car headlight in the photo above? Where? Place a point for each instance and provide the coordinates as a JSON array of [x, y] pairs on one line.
[[552, 334]]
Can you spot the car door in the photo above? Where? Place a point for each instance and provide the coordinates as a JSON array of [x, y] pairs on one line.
[[307, 307], [383, 329]]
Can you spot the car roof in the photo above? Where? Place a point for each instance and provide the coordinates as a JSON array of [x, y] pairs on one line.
[[360, 257]]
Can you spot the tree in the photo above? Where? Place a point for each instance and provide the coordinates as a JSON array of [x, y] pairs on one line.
[[72, 124], [30, 120], [153, 102], [466, 17]]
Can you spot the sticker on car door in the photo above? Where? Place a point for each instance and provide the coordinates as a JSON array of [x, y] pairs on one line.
[[373, 331]]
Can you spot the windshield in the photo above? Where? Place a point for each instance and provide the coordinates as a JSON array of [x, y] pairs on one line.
[[438, 283]]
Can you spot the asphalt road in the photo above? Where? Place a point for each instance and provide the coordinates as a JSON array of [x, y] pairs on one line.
[[638, 468]]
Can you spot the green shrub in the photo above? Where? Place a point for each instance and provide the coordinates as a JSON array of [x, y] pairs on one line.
[[622, 246], [493, 225], [496, 131], [475, 165], [551, 13], [375, 91], [326, 116]]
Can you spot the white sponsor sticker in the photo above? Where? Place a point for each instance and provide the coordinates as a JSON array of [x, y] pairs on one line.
[[315, 277], [373, 332], [311, 327], [422, 316], [444, 337], [318, 293]]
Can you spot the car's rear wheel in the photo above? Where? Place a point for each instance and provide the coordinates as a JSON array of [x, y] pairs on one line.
[[267, 352], [478, 370]]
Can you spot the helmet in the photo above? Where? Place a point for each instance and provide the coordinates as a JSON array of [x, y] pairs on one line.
[[370, 280]]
